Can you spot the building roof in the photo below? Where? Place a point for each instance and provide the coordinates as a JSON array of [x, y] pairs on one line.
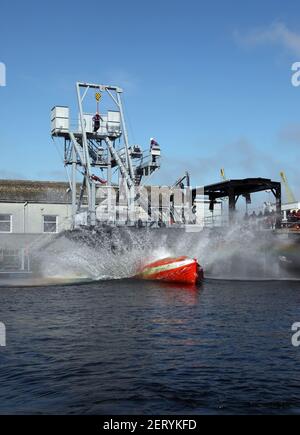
[[51, 192], [42, 192], [240, 187]]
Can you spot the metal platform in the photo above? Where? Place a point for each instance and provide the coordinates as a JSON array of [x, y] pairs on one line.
[[234, 189], [94, 144]]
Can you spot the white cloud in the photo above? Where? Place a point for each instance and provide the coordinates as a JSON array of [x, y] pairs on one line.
[[275, 34]]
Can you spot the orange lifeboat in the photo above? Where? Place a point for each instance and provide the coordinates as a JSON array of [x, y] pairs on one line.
[[182, 270]]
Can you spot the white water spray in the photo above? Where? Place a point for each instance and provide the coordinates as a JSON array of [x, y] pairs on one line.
[[238, 252]]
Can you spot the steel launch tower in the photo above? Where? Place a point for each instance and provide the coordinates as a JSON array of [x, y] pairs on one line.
[[98, 148]]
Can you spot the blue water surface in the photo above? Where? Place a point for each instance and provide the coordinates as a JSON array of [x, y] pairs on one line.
[[132, 347]]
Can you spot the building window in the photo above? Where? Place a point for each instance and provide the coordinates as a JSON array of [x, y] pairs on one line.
[[50, 224], [10, 259], [5, 223]]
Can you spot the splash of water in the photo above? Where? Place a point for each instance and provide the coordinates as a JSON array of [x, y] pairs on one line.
[[238, 252], [102, 254]]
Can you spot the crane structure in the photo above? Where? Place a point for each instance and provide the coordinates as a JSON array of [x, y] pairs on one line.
[[289, 194], [100, 143]]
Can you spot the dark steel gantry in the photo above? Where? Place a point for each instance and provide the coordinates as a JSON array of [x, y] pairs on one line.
[[234, 189]]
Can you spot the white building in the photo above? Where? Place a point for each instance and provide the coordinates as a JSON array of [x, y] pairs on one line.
[[31, 211], [34, 207]]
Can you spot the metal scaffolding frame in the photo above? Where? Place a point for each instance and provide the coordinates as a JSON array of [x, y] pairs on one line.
[[86, 151]]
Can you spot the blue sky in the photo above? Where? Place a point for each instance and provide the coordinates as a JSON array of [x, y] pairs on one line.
[[210, 80]]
